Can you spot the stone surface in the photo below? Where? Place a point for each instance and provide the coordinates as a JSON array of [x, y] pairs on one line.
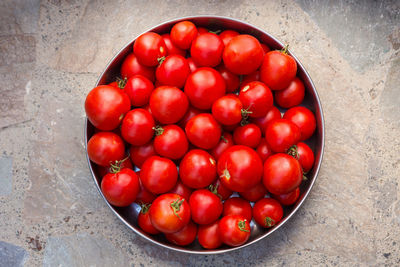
[[11, 255], [5, 176]]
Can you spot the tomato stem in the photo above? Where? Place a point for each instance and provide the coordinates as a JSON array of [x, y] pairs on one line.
[[269, 222], [176, 206], [121, 82], [215, 32], [245, 116], [116, 166], [242, 226], [160, 60], [159, 130], [145, 207], [292, 151], [224, 139], [305, 177], [285, 49], [214, 190]]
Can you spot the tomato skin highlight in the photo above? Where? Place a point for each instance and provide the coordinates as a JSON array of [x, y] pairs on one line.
[[105, 148], [267, 212], [234, 230], [137, 127]]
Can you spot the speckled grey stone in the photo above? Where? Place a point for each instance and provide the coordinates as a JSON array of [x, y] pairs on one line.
[[11, 255], [390, 100], [5, 176]]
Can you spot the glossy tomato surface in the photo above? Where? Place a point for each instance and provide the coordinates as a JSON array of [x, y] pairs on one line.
[[158, 175], [105, 148], [203, 131]]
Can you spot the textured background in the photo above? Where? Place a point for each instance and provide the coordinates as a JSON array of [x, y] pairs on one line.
[[51, 53]]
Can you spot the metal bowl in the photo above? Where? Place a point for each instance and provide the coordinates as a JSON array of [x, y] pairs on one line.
[[129, 214]]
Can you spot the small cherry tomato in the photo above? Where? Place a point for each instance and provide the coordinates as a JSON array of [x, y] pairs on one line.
[[139, 154], [247, 135], [190, 113], [292, 95], [185, 236], [203, 131], [234, 230], [227, 35], [305, 156], [183, 34], [144, 196], [139, 89], [173, 71], [220, 190], [144, 221], [137, 127], [232, 81], [201, 30], [237, 206], [148, 48], [205, 207], [267, 212], [131, 67], [181, 190], [170, 141], [224, 143], [105, 148], [264, 150], [289, 198], [263, 122], [192, 65], [255, 193], [227, 110], [265, 48], [158, 175], [304, 119], [281, 134], [171, 47], [256, 98], [206, 50], [208, 236]]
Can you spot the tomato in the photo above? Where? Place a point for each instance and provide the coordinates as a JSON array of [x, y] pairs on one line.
[[237, 206], [181, 190], [254, 76], [172, 49], [239, 168], [247, 135], [267, 212], [203, 87], [185, 236], [206, 50], [183, 33], [220, 190], [173, 71], [124, 163], [190, 113], [201, 30], [232, 81], [131, 67], [230, 128], [208, 236], [105, 148], [282, 174], [144, 221], [292, 95], [264, 150], [256, 98], [114, 84], [305, 156], [139, 154], [149, 48], [139, 89], [227, 110], [170, 141], [120, 187], [144, 196], [255, 193], [234, 230], [281, 134], [106, 106], [169, 213], [224, 143], [192, 65], [227, 35], [278, 69], [304, 119], [168, 104], [243, 54], [205, 207], [263, 122], [289, 198], [158, 175], [265, 48], [137, 127], [203, 131], [198, 169]]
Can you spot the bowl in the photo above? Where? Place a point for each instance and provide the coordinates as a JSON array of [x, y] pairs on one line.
[[129, 214]]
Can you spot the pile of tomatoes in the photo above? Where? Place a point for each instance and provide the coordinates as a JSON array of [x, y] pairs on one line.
[[193, 112]]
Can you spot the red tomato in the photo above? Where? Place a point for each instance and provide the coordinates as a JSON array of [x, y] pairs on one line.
[[192, 64], [190, 113], [267, 212], [144, 221], [254, 76], [304, 119], [265, 48], [201, 30], [234, 230], [105, 148], [139, 154], [198, 169], [131, 67], [173, 71], [181, 190], [206, 50], [227, 110], [292, 95], [220, 190], [232, 81], [139, 89], [106, 106], [205, 207], [169, 213], [238, 206], [158, 175], [227, 35], [278, 69], [121, 187], [114, 84], [247, 135], [203, 131], [203, 87], [239, 168], [281, 134], [170, 141], [149, 48], [224, 143], [144, 196], [263, 122], [230, 128], [282, 174], [256, 98], [208, 236], [264, 150], [305, 156], [168, 104], [183, 33], [137, 127], [171, 47], [255, 193], [243, 54], [289, 198], [185, 236]]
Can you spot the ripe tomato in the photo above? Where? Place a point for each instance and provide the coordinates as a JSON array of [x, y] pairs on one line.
[[227, 110], [267, 212], [254, 76], [227, 35], [139, 154], [255, 193], [183, 33], [131, 67], [234, 230], [170, 141], [185, 236], [172, 49], [232, 81], [106, 106], [265, 48], [206, 50], [264, 150], [243, 54], [256, 98], [239, 168], [305, 156], [208, 236], [292, 95], [237, 206], [263, 122], [105, 148], [282, 174], [181, 190], [304, 119], [197, 169], [158, 175], [205, 207], [139, 89], [230, 128], [144, 196], [149, 48], [224, 143], [203, 87], [281, 134], [278, 69], [120, 187], [220, 190], [201, 30], [289, 198], [192, 65], [203, 131], [169, 213], [144, 221], [168, 104], [137, 127], [190, 113], [247, 135], [173, 71]]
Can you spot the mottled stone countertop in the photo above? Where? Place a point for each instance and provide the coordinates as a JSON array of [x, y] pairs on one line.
[[51, 53]]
